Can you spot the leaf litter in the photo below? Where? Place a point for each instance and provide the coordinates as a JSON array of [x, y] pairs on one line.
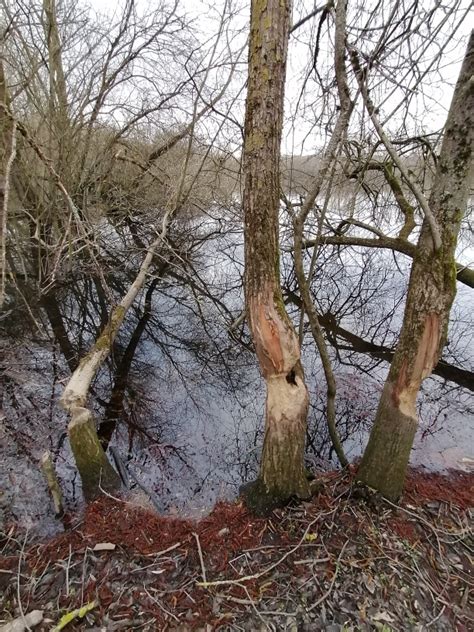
[[336, 563]]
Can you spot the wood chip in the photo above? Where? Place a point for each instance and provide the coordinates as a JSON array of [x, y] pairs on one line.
[[104, 546]]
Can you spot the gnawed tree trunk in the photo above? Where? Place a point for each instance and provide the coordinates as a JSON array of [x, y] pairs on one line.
[[282, 473], [96, 472], [431, 292]]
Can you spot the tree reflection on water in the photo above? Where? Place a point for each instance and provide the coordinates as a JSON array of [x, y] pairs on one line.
[[180, 398]]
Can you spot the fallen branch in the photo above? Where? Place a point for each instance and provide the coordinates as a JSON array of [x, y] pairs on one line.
[[248, 578], [201, 559], [333, 581]]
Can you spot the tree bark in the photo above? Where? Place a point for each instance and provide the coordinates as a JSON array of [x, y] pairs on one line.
[[431, 292], [7, 156], [282, 472], [345, 110], [94, 468]]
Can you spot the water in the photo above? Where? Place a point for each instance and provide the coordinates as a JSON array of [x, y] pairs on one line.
[[191, 422]]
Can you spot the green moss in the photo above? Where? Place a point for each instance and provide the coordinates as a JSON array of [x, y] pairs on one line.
[[94, 468], [258, 499], [118, 315], [116, 319]]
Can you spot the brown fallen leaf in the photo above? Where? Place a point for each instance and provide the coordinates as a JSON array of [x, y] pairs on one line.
[[23, 623]]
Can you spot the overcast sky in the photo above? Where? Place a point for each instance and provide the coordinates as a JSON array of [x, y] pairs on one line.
[[306, 132]]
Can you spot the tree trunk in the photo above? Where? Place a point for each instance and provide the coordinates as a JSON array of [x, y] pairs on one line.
[[50, 304], [115, 406], [431, 292], [97, 474], [7, 156], [94, 468], [282, 472], [299, 219]]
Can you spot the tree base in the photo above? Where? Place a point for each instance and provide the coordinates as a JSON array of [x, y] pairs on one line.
[[97, 474], [260, 501], [385, 460]]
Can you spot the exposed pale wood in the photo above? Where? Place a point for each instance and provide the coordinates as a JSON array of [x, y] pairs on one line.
[[431, 293], [282, 472]]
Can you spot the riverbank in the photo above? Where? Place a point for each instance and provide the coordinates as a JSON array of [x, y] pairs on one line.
[[338, 562]]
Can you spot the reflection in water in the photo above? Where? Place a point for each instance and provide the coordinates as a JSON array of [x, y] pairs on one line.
[[180, 398]]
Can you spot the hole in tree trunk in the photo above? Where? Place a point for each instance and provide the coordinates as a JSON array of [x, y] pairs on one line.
[[291, 377]]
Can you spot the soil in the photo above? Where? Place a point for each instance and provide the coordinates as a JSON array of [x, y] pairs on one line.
[[334, 563]]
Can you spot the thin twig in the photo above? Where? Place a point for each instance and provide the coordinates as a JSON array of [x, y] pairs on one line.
[[67, 570], [18, 586], [333, 581], [312, 560], [6, 196], [168, 612], [84, 562], [247, 578], [252, 603], [426, 522], [170, 548], [201, 559]]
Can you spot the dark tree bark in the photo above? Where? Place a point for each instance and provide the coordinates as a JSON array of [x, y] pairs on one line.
[[115, 407], [50, 304], [282, 472], [431, 292]]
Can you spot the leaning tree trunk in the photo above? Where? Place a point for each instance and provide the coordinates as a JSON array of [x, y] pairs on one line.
[[431, 292], [97, 474], [282, 473]]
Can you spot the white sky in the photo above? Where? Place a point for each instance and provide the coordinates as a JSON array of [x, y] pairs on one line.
[[427, 113]]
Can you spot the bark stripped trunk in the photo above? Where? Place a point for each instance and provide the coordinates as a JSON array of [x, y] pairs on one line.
[[282, 473], [431, 292], [96, 472]]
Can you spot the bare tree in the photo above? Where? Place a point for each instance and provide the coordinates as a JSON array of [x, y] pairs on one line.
[[430, 295], [80, 98], [299, 219], [282, 473], [7, 156]]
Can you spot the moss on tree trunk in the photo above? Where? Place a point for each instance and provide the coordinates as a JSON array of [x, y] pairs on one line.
[[97, 474], [431, 293]]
